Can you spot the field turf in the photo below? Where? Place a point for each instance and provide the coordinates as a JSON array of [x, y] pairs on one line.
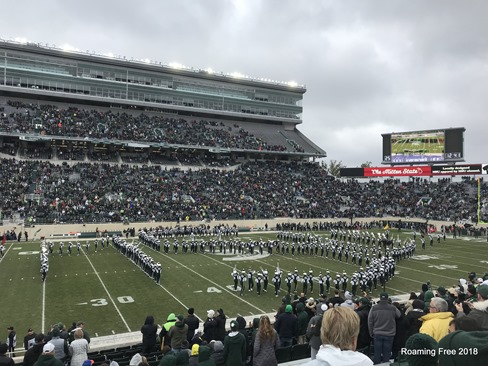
[[112, 295]]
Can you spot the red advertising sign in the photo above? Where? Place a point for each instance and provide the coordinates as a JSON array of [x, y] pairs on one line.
[[404, 171]]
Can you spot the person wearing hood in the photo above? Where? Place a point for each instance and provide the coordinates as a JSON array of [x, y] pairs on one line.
[[266, 344], [339, 331], [47, 357], [234, 346], [313, 329], [204, 357], [220, 320], [479, 309], [193, 361], [218, 353], [164, 334], [436, 323], [178, 334], [149, 333], [182, 358], [425, 288], [302, 322], [412, 319]]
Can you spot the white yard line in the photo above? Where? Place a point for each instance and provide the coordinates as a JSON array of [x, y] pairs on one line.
[[108, 294], [43, 316]]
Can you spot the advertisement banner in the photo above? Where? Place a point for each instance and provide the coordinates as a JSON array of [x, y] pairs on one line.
[[405, 171], [464, 169]]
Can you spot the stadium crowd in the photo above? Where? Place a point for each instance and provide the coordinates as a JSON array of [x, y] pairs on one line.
[[51, 120], [44, 192]]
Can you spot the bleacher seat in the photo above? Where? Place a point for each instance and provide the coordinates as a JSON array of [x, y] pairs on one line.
[[283, 354], [300, 351]]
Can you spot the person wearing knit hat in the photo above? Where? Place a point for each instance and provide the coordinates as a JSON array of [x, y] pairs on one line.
[[286, 326], [428, 296], [235, 346], [436, 323], [204, 357], [479, 309], [473, 345], [178, 333], [421, 342]]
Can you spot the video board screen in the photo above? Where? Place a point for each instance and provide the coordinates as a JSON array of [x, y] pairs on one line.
[[429, 146]]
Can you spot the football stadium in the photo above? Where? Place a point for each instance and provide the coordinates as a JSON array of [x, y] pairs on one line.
[[133, 189]]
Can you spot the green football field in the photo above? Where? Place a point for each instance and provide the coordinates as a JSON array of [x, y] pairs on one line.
[[407, 146], [112, 295]]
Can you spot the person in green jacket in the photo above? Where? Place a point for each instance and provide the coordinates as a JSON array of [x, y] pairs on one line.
[[164, 334], [235, 346], [302, 323], [47, 357]]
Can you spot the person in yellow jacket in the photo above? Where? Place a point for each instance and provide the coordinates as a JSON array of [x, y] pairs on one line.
[[436, 322]]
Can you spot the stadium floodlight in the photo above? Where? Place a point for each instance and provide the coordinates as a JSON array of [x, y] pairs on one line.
[[293, 84], [237, 75], [69, 48], [210, 71], [110, 54], [147, 61], [175, 65], [22, 40]]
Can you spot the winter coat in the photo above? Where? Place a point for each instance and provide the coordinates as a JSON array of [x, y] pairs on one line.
[[178, 334], [204, 356], [6, 361], [193, 324], [436, 324], [286, 325], [235, 349], [209, 329], [364, 339], [381, 319], [313, 328], [32, 355], [218, 354], [79, 351], [149, 334], [264, 350], [413, 322], [302, 319], [48, 359], [220, 328]]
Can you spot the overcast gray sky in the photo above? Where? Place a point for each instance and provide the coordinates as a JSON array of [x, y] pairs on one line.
[[370, 67]]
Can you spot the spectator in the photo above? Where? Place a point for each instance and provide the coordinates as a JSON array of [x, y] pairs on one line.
[[336, 300], [412, 320], [204, 358], [35, 351], [313, 329], [425, 288], [286, 326], [382, 328], [29, 339], [220, 320], [11, 340], [61, 350], [302, 322], [429, 355], [4, 359], [217, 353], [400, 332], [182, 358], [265, 344], [474, 343], [339, 331], [193, 323], [479, 310], [436, 323], [78, 349], [194, 355], [168, 360], [464, 323], [47, 357], [178, 334], [409, 304], [235, 346], [164, 333], [149, 334], [363, 308], [209, 327]]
